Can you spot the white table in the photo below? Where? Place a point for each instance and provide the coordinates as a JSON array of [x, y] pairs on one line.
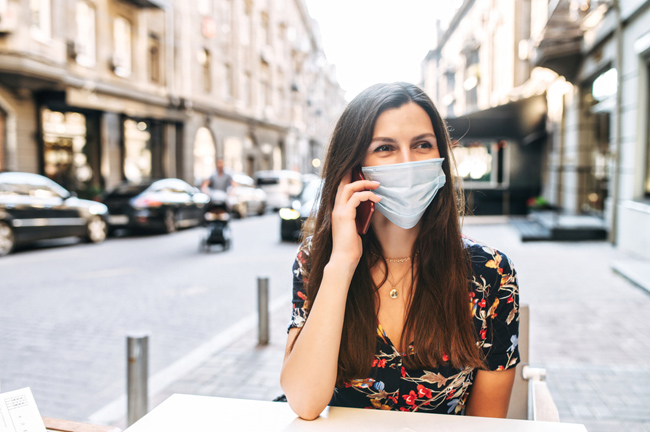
[[186, 413]]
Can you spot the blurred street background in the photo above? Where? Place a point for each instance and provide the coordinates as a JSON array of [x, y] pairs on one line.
[[113, 113]]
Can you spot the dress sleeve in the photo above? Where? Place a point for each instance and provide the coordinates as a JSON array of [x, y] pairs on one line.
[[299, 309], [499, 316]]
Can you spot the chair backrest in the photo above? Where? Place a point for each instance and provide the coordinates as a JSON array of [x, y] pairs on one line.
[[518, 408]]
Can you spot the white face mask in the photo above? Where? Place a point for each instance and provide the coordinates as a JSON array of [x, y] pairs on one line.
[[406, 189]]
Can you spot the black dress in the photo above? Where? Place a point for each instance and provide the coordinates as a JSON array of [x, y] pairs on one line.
[[494, 301]]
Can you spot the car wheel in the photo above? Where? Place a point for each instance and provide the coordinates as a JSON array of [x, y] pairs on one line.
[[169, 221], [7, 239], [97, 230], [262, 209]]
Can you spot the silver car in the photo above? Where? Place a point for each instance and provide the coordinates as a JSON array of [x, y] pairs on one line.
[[244, 198]]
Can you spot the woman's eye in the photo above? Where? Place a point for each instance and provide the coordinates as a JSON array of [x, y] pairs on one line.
[[383, 148], [425, 145]]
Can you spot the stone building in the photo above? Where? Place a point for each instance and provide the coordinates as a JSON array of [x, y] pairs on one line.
[[589, 62], [96, 92]]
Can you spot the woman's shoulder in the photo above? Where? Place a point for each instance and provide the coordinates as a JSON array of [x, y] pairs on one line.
[[489, 265]]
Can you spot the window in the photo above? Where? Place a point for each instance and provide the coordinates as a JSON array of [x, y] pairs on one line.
[[137, 151], [246, 90], [227, 81], [226, 15], [470, 85], [205, 7], [41, 18], [85, 42], [647, 172], [154, 59], [122, 47], [206, 62], [245, 26], [265, 31]]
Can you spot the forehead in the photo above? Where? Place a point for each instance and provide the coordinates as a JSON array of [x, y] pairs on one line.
[[408, 118]]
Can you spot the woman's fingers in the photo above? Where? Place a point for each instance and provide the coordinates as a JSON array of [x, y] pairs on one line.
[[358, 186], [358, 197]]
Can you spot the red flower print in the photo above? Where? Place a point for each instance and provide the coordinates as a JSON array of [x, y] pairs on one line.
[[382, 363], [403, 409], [374, 362], [483, 333], [445, 357], [451, 394], [302, 296], [482, 303], [471, 295], [510, 299], [410, 398], [393, 398], [500, 368], [403, 372], [424, 392]]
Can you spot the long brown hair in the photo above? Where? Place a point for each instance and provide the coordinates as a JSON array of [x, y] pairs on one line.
[[439, 316]]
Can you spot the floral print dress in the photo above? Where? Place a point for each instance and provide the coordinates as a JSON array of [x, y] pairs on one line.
[[493, 297]]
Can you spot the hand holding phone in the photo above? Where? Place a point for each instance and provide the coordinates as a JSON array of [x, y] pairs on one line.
[[365, 208]]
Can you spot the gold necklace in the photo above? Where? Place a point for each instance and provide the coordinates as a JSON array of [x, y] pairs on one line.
[[396, 260], [394, 293]]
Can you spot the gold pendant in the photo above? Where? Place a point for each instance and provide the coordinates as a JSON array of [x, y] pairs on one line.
[[393, 293]]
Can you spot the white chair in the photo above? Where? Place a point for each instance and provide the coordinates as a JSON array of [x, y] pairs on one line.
[[530, 398]]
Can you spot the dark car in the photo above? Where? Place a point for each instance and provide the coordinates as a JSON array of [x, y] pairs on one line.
[[162, 205], [292, 218], [33, 207]]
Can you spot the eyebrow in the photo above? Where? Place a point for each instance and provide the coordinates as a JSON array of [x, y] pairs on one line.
[[417, 138]]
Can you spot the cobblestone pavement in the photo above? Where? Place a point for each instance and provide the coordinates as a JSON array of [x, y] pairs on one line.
[[588, 329]]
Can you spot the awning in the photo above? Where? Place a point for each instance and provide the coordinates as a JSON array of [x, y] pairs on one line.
[[523, 120]]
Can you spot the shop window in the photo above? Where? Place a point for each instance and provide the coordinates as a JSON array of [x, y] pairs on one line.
[[41, 18], [154, 59], [474, 162], [122, 47], [66, 155], [204, 155], [137, 151], [84, 47]]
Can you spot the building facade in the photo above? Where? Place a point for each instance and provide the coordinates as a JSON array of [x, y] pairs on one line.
[[96, 92], [589, 62]]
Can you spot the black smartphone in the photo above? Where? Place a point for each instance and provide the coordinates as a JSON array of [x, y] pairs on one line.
[[365, 209]]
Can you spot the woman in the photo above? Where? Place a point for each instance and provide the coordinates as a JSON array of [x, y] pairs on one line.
[[381, 320]]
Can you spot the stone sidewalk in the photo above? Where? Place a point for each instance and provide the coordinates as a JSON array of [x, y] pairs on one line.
[[589, 329]]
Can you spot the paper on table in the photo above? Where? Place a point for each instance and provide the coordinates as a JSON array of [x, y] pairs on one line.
[[19, 413]]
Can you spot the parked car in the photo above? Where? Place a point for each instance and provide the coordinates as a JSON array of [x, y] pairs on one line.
[[292, 218], [280, 186], [162, 205], [244, 198], [33, 207]]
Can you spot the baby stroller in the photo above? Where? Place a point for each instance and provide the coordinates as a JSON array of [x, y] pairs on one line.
[[217, 216]]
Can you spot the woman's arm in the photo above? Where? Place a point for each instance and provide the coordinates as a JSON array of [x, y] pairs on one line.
[[309, 371], [490, 394]]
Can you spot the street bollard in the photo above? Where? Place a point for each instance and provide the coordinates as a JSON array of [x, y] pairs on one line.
[[263, 310], [137, 375]]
